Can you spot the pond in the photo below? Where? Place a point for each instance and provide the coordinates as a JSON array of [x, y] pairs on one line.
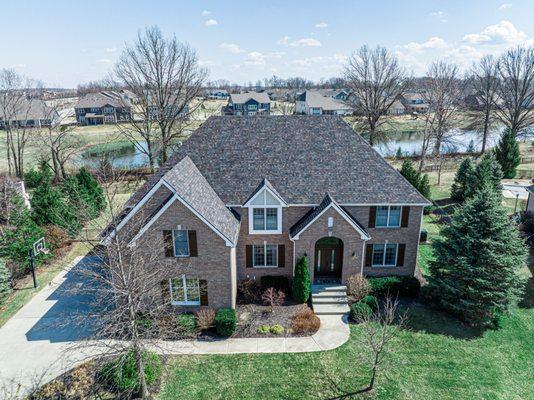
[[125, 155]]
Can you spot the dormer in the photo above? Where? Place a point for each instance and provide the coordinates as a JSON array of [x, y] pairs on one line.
[[265, 210]]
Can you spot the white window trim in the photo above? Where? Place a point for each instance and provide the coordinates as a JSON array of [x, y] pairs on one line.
[[184, 303], [174, 248], [388, 216], [384, 256], [276, 231], [265, 244]]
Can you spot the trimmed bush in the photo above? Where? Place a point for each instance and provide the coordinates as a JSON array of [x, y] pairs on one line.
[[275, 281], [277, 329], [186, 322], [357, 288], [264, 329], [205, 318], [301, 281], [305, 321], [408, 286], [371, 301], [5, 282], [360, 310], [121, 373], [225, 321]]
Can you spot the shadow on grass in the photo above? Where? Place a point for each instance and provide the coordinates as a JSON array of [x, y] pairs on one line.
[[421, 318], [340, 393], [528, 297]]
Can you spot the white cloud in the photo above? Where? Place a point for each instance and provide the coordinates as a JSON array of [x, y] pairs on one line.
[[205, 12], [309, 42], [111, 50], [503, 32], [211, 22], [284, 40], [104, 61], [321, 25], [231, 47], [504, 6], [432, 43], [440, 15], [255, 58]]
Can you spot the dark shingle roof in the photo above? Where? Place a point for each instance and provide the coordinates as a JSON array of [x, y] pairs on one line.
[[190, 185], [303, 157], [102, 99], [314, 213]]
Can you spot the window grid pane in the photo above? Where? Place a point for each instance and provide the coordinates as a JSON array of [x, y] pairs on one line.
[[259, 219], [259, 256], [391, 254], [394, 216], [181, 242], [177, 290], [271, 256], [381, 216], [378, 254], [192, 290], [271, 219]]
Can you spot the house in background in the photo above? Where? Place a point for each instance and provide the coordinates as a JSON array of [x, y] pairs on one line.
[[175, 107], [28, 113], [414, 102], [107, 107], [249, 103], [244, 198], [312, 102], [397, 108], [217, 94], [336, 94]]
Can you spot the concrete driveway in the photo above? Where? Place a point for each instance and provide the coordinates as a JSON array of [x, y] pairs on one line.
[[36, 343]]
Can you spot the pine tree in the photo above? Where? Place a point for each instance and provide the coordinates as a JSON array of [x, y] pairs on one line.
[[410, 173], [507, 154], [302, 281], [92, 188], [476, 272], [5, 281], [424, 186], [487, 172], [462, 179]]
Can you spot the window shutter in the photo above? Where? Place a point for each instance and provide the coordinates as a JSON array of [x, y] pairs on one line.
[[400, 255], [248, 249], [193, 249], [405, 216], [368, 255], [165, 291], [167, 244], [281, 256], [203, 285], [372, 216]]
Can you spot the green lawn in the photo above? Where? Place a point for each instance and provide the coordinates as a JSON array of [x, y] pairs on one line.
[[436, 358]]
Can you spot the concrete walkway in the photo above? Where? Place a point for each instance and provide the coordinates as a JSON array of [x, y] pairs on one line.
[[35, 347]]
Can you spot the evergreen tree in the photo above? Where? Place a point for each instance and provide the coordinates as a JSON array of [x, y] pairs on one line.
[[5, 281], [410, 173], [462, 179], [507, 154], [91, 188], [476, 272], [487, 172], [424, 186], [301, 281], [79, 199]]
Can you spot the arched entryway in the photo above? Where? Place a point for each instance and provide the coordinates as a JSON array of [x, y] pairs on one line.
[[328, 259]]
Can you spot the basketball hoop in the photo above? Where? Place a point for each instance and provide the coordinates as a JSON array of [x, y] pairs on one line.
[[40, 247]]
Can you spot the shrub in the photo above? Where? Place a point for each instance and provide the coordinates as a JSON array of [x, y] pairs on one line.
[[56, 237], [225, 321], [186, 322], [305, 321], [277, 329], [264, 329], [395, 285], [205, 318], [275, 281], [121, 373], [360, 310], [92, 192], [371, 301], [35, 177], [248, 291], [357, 288], [301, 281], [273, 298], [5, 282]]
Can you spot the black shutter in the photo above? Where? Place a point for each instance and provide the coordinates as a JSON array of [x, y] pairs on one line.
[[165, 291], [372, 216], [368, 255], [281, 256], [400, 255], [248, 261], [168, 244], [405, 216], [203, 285], [193, 249]]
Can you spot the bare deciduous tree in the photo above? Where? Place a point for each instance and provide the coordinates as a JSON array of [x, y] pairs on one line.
[[485, 85], [515, 106], [376, 79], [167, 80]]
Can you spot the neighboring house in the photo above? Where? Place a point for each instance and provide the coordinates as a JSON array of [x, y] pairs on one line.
[[414, 102], [249, 103], [33, 113], [247, 197], [312, 102], [336, 94], [105, 107], [397, 108], [217, 94], [530, 201]]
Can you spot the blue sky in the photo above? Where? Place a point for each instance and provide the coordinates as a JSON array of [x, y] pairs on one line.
[[64, 43]]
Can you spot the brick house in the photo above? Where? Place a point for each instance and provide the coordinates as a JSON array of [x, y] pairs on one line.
[[105, 107], [247, 197]]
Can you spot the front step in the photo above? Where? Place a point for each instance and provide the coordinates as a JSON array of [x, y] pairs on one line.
[[331, 309], [330, 299], [328, 288]]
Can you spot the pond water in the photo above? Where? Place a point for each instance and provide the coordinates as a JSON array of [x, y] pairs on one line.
[[408, 142]]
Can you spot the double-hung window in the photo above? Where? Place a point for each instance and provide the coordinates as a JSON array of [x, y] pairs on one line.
[[185, 291], [265, 214], [180, 241], [384, 255], [388, 216], [265, 256]]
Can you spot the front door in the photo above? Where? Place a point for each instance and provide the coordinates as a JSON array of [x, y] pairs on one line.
[[328, 257]]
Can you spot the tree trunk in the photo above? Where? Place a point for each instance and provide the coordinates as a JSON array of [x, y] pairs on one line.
[[8, 152], [143, 387], [485, 132]]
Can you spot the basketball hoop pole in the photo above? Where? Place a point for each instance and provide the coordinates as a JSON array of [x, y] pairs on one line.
[[32, 266]]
